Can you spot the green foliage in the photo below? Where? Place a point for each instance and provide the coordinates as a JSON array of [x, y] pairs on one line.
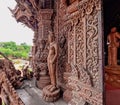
[[10, 49]]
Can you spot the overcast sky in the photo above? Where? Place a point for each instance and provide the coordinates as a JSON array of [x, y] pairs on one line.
[[10, 30]]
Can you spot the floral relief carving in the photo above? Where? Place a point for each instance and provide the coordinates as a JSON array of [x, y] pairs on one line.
[[79, 43], [71, 48], [92, 48], [86, 7], [85, 77], [87, 34], [63, 52]]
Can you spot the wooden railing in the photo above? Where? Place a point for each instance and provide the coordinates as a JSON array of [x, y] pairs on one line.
[[8, 93]]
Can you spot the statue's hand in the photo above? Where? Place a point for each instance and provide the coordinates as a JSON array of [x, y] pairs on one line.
[[52, 61]]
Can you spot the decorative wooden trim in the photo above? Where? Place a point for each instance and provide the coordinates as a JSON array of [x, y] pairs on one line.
[[8, 93]]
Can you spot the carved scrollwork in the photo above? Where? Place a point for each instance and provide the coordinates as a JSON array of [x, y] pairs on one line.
[[85, 77], [83, 39], [79, 43], [81, 74], [71, 47], [92, 47], [62, 58], [83, 92], [86, 7]]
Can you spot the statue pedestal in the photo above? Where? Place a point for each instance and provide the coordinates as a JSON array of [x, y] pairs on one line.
[[112, 75], [51, 96]]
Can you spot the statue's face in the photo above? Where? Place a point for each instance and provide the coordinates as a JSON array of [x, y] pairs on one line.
[[50, 39], [114, 29]]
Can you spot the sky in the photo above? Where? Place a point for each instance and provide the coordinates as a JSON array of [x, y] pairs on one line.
[[10, 30]]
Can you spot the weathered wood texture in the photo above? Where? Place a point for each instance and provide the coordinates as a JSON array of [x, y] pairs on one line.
[[9, 80], [8, 93]]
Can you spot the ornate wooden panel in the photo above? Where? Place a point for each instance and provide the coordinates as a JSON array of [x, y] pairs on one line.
[[84, 51], [89, 60]]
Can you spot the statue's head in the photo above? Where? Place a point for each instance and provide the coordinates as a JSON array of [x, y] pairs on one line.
[[113, 29], [51, 36]]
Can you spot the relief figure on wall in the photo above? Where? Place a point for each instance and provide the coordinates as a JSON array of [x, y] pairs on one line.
[[113, 45]]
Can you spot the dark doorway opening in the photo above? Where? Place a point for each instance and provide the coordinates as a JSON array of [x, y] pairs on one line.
[[111, 19], [111, 10]]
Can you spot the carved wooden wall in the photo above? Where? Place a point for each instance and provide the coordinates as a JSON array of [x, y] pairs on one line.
[[80, 25], [77, 28]]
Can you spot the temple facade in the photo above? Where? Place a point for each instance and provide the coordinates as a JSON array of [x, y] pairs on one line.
[[77, 27]]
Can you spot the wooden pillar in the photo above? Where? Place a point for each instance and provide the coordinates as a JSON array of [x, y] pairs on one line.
[[44, 23]]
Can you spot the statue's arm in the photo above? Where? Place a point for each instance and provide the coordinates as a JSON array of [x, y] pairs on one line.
[[118, 35]]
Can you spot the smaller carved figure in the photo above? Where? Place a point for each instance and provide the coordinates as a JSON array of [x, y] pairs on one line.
[[40, 61], [113, 44], [25, 73]]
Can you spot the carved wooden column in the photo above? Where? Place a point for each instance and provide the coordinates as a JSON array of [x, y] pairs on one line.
[[44, 25]]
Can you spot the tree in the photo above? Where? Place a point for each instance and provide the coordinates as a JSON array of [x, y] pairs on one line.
[[10, 49]]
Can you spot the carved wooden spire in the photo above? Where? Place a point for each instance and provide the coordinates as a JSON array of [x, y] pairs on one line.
[[26, 11]]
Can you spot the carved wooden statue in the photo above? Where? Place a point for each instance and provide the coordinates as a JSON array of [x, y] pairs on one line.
[[113, 45], [51, 92], [51, 60], [112, 70]]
